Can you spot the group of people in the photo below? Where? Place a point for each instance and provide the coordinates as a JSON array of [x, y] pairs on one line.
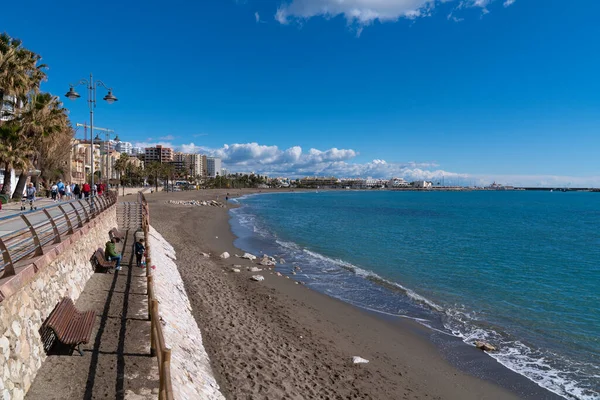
[[61, 191], [111, 253]]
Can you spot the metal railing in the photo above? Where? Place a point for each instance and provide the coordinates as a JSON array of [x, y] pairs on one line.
[[158, 347], [24, 235]]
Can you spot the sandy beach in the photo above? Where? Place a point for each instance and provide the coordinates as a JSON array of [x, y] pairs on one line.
[[277, 339]]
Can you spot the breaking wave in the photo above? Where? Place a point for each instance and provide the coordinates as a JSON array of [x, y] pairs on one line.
[[323, 273]]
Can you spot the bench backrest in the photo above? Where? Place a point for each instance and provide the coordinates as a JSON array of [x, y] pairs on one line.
[[100, 253], [60, 317], [114, 232]]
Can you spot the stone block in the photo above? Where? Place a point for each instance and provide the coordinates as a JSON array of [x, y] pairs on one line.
[[59, 248], [42, 261], [11, 285]]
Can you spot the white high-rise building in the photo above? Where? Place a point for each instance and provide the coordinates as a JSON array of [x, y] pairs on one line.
[[213, 166], [136, 151], [124, 147], [7, 107]]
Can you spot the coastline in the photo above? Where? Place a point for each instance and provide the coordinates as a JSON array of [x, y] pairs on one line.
[[277, 338]]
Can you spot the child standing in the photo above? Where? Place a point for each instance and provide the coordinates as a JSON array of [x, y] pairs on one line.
[[139, 251]]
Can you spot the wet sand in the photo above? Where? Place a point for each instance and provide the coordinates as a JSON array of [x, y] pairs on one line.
[[277, 339]]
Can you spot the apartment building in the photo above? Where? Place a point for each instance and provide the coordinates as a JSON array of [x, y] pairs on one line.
[[213, 167], [124, 147], [319, 181], [80, 163], [136, 151], [397, 183], [158, 153], [7, 107], [190, 163]]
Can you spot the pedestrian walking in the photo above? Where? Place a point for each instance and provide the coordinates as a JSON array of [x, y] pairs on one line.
[[86, 190], [30, 197], [77, 191], [54, 191], [61, 189]]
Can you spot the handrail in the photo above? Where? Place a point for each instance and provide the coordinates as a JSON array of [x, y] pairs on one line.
[[158, 347], [28, 233]]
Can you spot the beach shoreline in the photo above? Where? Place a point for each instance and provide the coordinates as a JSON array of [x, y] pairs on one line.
[[310, 338]]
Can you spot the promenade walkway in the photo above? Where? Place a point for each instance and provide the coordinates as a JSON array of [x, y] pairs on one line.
[[13, 208], [116, 363]]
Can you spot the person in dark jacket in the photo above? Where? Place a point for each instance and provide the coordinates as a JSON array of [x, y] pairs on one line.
[[139, 251], [77, 192], [111, 254]]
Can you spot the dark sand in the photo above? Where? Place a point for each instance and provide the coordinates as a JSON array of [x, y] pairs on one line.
[[277, 339]]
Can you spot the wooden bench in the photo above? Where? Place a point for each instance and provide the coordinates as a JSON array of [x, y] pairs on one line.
[[114, 233], [100, 261], [70, 326]]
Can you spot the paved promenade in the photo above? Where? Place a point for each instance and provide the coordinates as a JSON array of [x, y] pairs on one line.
[[116, 363], [15, 208]]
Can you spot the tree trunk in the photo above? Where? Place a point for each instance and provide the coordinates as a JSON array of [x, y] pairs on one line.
[[6, 185], [20, 186]]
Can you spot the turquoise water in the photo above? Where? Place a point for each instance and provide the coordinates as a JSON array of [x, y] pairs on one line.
[[519, 269]]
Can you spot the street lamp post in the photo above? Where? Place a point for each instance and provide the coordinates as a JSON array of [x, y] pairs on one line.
[[91, 87], [98, 140]]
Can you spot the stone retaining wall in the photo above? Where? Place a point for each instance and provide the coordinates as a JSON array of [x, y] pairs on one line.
[[63, 270]]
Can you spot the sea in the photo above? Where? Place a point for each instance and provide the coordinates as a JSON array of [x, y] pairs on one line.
[[517, 269]]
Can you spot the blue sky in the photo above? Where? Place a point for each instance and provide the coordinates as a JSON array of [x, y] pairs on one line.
[[475, 90]]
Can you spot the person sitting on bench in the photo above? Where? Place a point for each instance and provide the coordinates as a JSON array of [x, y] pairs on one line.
[[111, 254]]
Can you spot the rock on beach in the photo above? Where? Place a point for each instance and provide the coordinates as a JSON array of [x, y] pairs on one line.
[[484, 346], [212, 203], [267, 261], [248, 256]]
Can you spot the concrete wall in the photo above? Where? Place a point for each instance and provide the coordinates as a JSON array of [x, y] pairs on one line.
[[32, 294], [191, 374]]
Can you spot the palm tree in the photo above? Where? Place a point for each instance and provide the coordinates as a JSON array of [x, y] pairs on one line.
[[168, 170], [20, 73], [120, 166], [153, 169], [20, 76], [46, 134], [14, 152]]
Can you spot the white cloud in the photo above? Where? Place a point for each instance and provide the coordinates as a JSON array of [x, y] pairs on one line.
[[192, 148], [295, 162], [364, 12], [167, 137], [151, 143], [509, 3], [257, 17]]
